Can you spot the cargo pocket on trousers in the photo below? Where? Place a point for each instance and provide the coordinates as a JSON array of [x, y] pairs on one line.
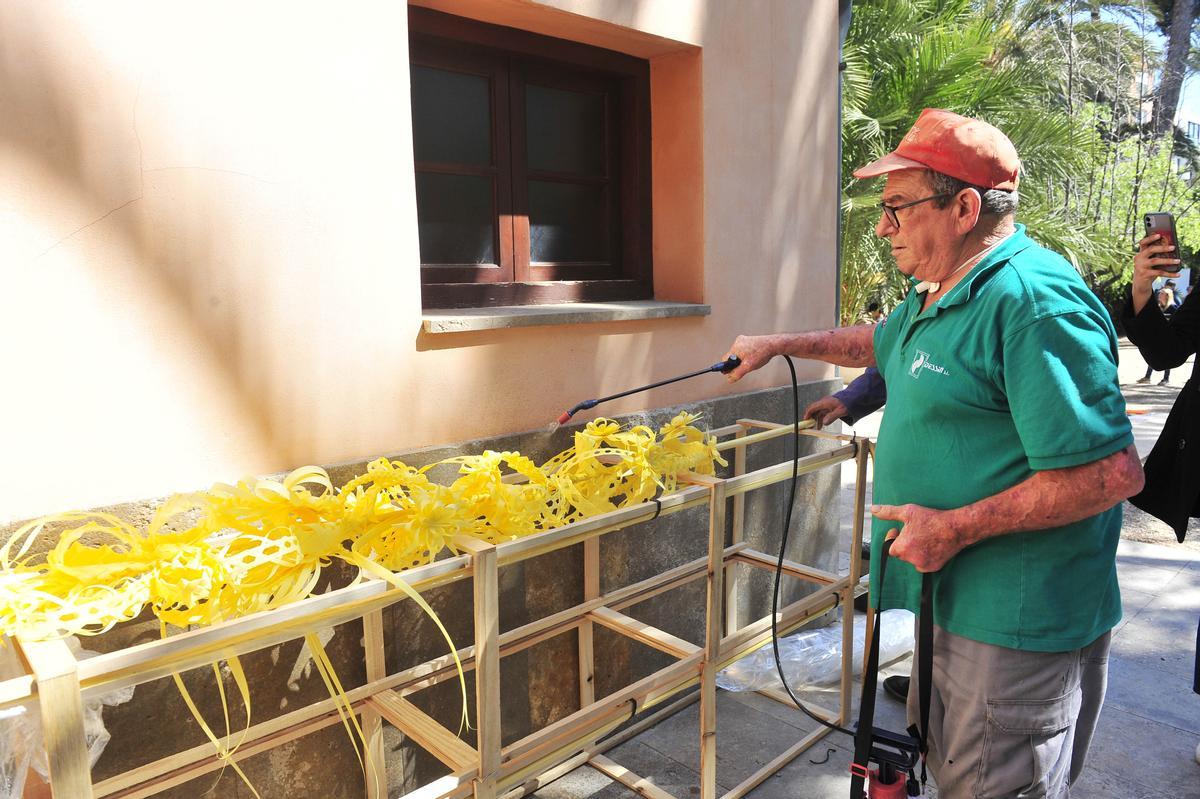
[[1027, 747]]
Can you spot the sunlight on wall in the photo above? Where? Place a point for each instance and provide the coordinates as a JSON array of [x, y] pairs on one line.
[[108, 389], [210, 236]]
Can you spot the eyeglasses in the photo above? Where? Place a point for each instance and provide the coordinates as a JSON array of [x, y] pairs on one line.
[[890, 210]]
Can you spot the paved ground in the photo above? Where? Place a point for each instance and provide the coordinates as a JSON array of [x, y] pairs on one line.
[[1146, 742]]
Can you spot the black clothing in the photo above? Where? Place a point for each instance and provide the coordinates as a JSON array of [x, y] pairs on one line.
[[1172, 491]]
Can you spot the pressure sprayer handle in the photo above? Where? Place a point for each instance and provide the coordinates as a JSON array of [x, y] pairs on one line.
[[726, 366]]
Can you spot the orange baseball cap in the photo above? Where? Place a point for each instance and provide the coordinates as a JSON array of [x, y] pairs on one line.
[[968, 149]]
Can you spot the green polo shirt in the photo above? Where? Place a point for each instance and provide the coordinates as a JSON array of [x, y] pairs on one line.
[[1013, 371]]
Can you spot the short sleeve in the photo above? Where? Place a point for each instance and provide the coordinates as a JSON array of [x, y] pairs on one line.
[[882, 339], [1060, 376]]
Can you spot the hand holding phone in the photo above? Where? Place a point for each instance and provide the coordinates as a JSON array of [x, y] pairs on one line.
[[1162, 253]]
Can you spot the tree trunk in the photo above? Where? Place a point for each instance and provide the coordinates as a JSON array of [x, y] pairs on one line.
[[1166, 100]]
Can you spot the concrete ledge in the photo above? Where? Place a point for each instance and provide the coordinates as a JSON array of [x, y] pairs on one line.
[[464, 320]]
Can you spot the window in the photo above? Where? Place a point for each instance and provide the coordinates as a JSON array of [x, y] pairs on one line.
[[532, 166], [1193, 132]]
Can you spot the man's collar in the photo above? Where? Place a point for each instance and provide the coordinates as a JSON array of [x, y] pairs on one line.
[[1012, 244]]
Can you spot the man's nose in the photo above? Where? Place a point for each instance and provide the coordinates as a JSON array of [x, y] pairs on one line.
[[884, 227]]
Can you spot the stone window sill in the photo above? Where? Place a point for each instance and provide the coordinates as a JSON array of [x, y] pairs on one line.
[[465, 320]]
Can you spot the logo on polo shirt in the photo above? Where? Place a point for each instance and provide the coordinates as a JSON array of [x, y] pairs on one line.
[[921, 363]]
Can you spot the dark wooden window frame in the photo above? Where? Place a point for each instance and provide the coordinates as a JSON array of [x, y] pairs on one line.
[[511, 58]]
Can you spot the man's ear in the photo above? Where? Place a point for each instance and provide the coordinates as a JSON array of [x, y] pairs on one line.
[[968, 205]]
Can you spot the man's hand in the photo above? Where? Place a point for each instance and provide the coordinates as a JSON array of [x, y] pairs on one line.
[[1045, 500], [928, 539], [842, 346], [826, 411], [755, 351]]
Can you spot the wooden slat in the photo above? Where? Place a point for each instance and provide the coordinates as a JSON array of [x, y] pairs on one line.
[[566, 750], [780, 696], [774, 431], [146, 782], [601, 524], [372, 726], [452, 786], [696, 479], [56, 671], [618, 705], [633, 782], [587, 653], [424, 730], [639, 631], [200, 647], [757, 633], [732, 610], [485, 565], [539, 781], [16, 690], [769, 475], [807, 431], [790, 567], [713, 615], [755, 779], [727, 430], [860, 500]]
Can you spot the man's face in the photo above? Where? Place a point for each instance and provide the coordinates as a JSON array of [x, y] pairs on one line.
[[926, 244]]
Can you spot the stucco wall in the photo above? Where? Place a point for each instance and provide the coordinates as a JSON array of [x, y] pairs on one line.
[[209, 236]]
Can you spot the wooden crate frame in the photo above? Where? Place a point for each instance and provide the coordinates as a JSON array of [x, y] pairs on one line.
[[59, 683]]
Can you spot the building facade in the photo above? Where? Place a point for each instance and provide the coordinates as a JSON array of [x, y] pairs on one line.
[[241, 238]]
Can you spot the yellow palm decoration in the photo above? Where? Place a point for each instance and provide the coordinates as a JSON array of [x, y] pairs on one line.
[[260, 544]]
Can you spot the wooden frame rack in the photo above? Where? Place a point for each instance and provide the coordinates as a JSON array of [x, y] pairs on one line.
[[59, 683]]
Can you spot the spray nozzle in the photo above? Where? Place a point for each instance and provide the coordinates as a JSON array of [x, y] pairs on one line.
[[726, 366]]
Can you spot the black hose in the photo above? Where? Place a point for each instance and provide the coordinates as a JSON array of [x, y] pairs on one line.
[[787, 523]]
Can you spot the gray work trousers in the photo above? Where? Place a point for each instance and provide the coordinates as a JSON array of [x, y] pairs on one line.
[[1009, 723]]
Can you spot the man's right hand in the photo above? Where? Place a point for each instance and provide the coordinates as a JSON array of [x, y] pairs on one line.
[[755, 351], [825, 411]]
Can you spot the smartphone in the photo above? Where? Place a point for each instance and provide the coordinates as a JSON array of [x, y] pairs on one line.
[[1164, 224]]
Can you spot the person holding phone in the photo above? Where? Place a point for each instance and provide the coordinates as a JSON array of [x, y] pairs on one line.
[[1172, 469]]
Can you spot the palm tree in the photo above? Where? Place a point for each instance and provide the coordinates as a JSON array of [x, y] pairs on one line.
[[1178, 20], [972, 58]]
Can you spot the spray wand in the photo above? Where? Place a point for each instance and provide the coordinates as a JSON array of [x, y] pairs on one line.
[[724, 367]]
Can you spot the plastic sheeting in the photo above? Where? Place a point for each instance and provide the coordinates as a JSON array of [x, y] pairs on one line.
[[21, 727], [813, 658]]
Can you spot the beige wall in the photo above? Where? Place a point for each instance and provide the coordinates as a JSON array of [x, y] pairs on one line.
[[208, 235]]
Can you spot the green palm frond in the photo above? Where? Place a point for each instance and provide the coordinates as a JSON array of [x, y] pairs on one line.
[[1058, 80]]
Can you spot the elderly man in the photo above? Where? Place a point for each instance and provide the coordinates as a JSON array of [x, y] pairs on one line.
[[1003, 458]]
